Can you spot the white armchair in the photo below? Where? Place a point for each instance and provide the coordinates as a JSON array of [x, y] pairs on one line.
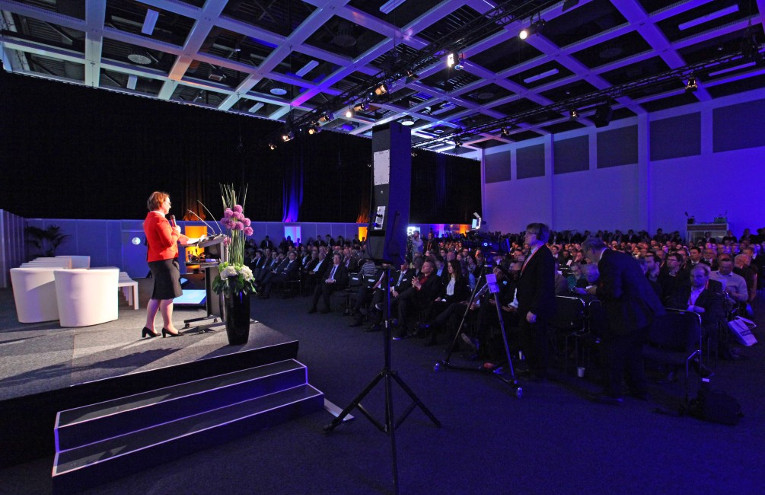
[[34, 291], [87, 297]]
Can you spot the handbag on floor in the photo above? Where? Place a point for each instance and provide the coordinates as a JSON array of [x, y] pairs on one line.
[[741, 328]]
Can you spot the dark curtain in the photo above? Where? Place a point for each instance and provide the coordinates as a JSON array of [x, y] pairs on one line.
[[75, 152]]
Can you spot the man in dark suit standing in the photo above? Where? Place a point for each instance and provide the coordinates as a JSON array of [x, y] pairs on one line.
[[630, 305], [536, 299]]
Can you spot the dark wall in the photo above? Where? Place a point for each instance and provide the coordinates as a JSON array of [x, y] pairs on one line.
[[74, 152]]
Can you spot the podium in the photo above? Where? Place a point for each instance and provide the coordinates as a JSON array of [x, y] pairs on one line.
[[213, 303], [695, 231]]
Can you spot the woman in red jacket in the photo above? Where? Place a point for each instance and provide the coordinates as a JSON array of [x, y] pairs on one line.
[[162, 239]]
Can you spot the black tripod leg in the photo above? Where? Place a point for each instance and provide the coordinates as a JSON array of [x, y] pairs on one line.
[[504, 335], [390, 429], [355, 402], [416, 400], [453, 345]]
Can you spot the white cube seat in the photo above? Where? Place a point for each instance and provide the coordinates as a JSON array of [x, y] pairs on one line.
[[86, 297], [34, 292]]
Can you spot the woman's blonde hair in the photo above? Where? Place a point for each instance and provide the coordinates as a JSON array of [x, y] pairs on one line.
[[156, 199]]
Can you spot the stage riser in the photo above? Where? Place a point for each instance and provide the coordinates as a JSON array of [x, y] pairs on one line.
[[153, 454], [167, 404], [33, 437], [120, 437]]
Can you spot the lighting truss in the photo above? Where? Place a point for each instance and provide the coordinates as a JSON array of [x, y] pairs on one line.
[[676, 76]]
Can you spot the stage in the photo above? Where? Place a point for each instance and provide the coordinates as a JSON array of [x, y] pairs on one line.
[[45, 368]]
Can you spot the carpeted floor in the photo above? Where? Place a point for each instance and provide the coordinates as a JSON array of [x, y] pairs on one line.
[[553, 440]]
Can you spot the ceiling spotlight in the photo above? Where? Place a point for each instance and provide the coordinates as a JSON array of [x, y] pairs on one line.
[[573, 114], [314, 129], [460, 63], [602, 115], [457, 142], [411, 76], [216, 74], [326, 117], [349, 113], [407, 121], [691, 85], [505, 132], [534, 28], [382, 89], [271, 146], [450, 60], [288, 136]]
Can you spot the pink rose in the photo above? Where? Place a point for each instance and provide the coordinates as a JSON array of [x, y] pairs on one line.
[[238, 208], [247, 221], [248, 231]]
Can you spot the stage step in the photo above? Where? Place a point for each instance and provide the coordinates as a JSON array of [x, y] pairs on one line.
[[105, 441]]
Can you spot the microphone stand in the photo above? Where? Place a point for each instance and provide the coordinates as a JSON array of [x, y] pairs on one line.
[[388, 375], [498, 372]]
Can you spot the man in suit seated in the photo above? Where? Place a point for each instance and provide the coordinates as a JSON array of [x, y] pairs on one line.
[[400, 281], [705, 297], [315, 270], [337, 279], [419, 296], [287, 270]]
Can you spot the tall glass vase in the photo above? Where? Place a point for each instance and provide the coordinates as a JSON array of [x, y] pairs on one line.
[[237, 318]]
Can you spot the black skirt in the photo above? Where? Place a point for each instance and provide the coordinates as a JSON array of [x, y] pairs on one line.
[[167, 279]]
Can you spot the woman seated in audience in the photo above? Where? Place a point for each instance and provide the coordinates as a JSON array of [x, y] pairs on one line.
[[454, 295]]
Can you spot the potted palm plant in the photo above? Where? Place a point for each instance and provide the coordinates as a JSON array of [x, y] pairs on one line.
[[235, 280]]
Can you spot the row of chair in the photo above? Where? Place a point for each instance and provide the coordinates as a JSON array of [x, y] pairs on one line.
[[674, 339]]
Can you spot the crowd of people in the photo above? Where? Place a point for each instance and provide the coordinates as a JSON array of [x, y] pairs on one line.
[[442, 282]]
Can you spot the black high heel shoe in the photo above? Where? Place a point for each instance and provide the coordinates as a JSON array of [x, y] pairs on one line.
[[147, 332], [166, 332]]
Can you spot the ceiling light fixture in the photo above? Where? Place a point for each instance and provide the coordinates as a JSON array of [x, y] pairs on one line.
[[541, 75], [388, 6], [450, 60], [149, 22], [349, 113], [692, 85], [307, 68], [407, 121], [382, 89], [707, 18], [271, 146], [314, 129], [460, 63], [573, 114], [505, 132], [140, 56], [288, 136], [411, 77], [602, 116], [534, 28]]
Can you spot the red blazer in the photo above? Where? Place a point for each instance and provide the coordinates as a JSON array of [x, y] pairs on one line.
[[162, 240]]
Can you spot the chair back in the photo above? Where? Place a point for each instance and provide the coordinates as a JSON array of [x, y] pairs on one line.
[[677, 330], [569, 314], [34, 292]]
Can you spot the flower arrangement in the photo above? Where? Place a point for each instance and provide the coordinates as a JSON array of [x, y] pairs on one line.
[[234, 276]]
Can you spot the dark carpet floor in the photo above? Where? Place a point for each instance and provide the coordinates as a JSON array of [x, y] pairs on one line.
[[553, 440]]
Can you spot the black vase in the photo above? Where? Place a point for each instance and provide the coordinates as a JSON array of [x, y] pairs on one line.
[[237, 318]]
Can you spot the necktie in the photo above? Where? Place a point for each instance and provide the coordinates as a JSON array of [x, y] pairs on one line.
[[332, 274]]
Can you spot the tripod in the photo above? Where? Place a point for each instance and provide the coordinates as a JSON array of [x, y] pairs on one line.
[[389, 376], [493, 288]]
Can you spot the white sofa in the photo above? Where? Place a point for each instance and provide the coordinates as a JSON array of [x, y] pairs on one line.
[[87, 297], [34, 292]]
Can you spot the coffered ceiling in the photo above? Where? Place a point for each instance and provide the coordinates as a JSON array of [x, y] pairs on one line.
[[306, 62]]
